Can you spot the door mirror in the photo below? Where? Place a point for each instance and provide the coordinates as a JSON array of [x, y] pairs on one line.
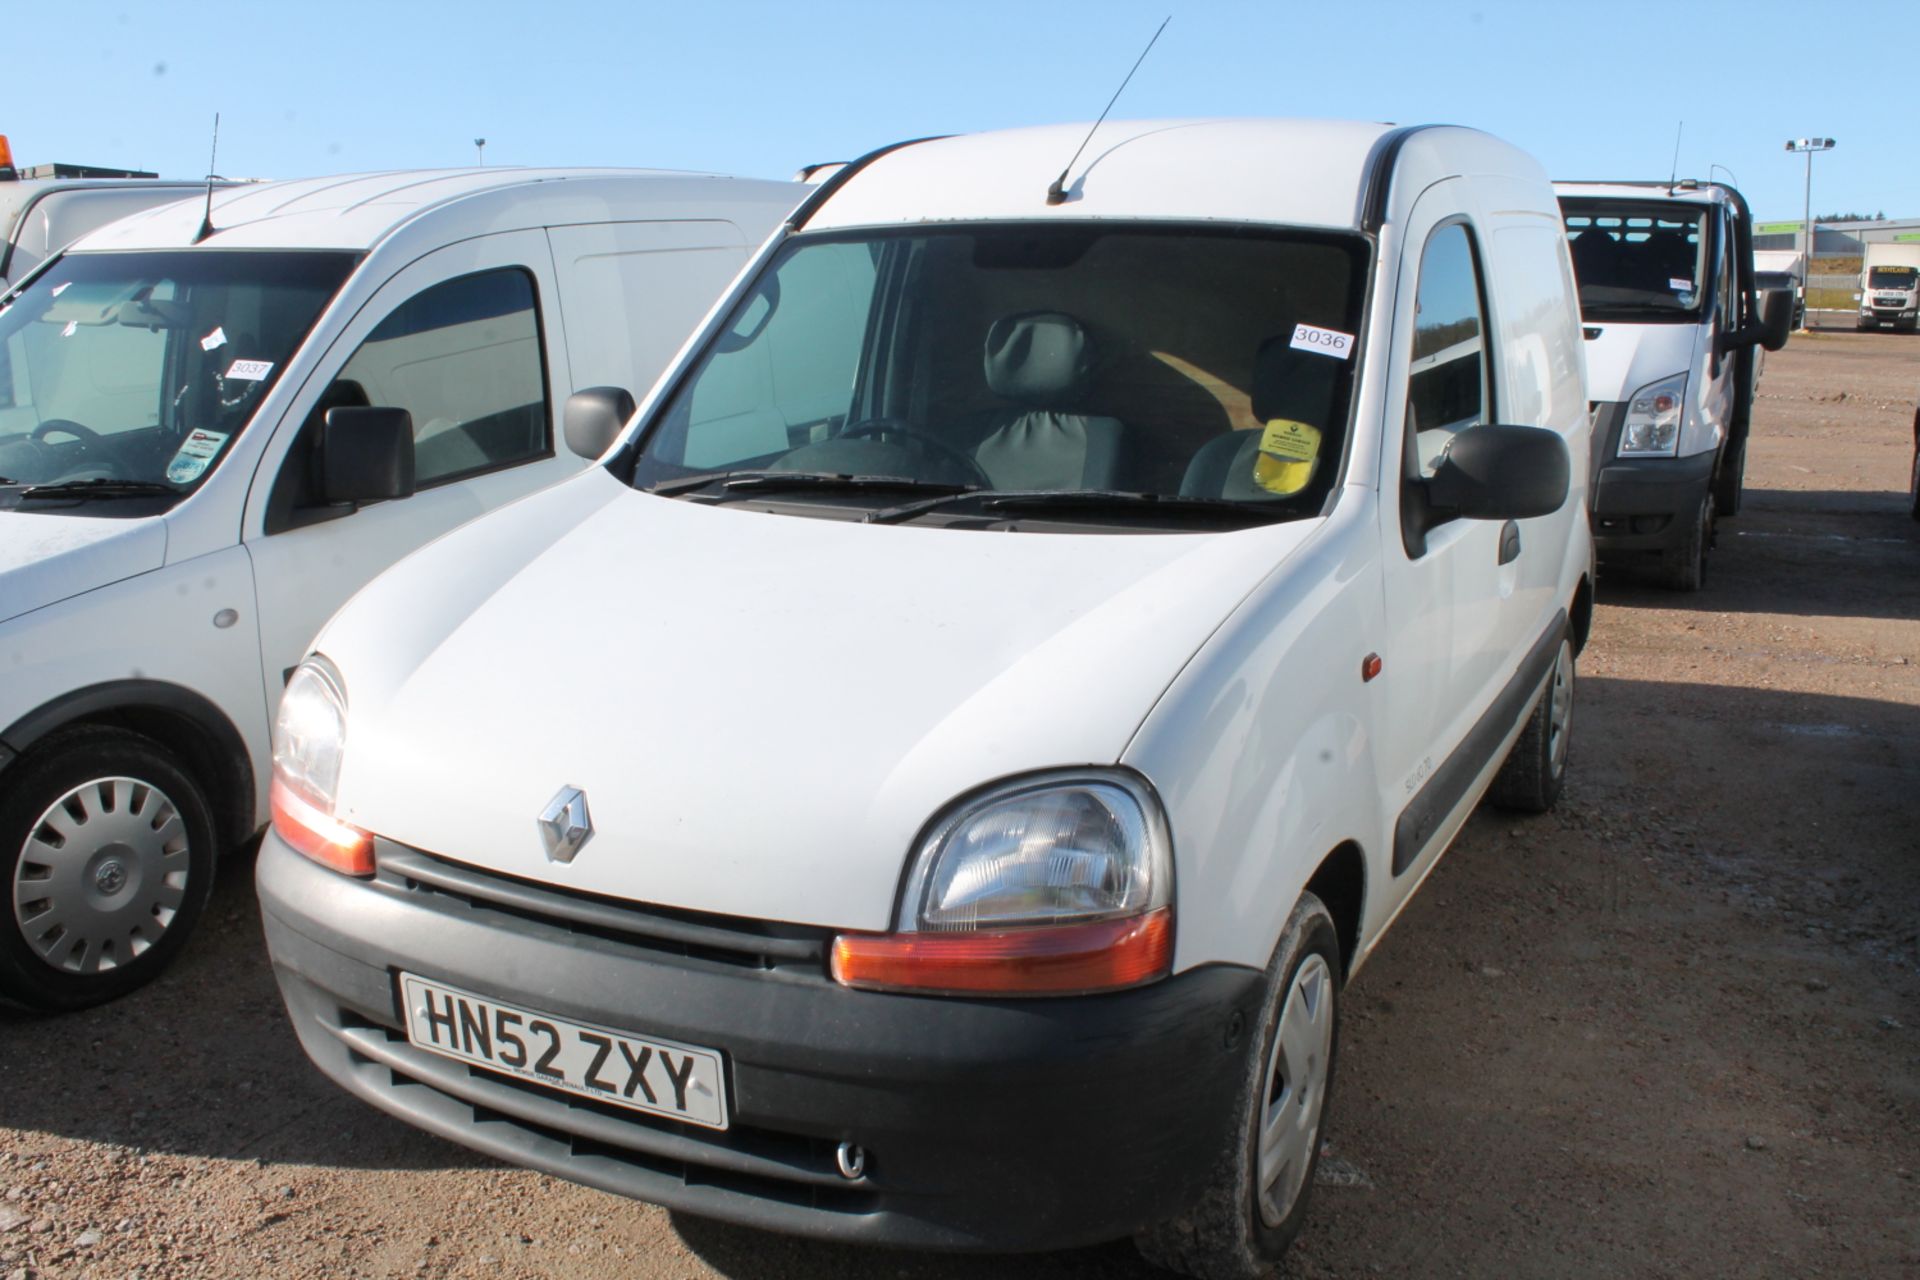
[[593, 418], [1490, 473], [366, 455], [1776, 318]]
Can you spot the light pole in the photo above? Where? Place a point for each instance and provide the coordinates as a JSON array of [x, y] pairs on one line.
[[480, 145], [1808, 146]]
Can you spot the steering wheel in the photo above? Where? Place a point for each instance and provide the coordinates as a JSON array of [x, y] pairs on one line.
[[87, 436], [894, 427]]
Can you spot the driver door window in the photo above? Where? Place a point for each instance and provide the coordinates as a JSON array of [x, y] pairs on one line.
[[1447, 381]]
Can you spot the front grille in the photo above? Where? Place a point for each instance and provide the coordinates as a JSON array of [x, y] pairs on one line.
[[715, 939], [598, 1143]]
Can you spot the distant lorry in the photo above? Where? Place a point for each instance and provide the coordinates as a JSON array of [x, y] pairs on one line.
[[1890, 286], [47, 207]]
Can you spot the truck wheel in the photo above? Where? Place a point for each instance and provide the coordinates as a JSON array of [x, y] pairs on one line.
[[1536, 768], [1257, 1197], [1683, 567], [1913, 485], [1730, 482], [107, 845]]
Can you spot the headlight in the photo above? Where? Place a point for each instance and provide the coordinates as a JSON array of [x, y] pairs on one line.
[[1654, 412], [309, 742], [1053, 884]]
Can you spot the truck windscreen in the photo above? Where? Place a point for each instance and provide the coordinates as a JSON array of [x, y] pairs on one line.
[[1639, 262], [1892, 277]]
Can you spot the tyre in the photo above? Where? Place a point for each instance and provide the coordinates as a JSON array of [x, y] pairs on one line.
[[1683, 566], [1536, 768], [1730, 481], [1257, 1196], [107, 845], [1913, 485]]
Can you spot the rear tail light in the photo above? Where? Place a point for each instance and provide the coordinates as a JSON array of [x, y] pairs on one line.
[[1070, 959]]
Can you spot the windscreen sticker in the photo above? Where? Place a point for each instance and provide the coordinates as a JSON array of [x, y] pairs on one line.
[[72, 327], [1328, 342], [62, 287], [218, 338], [1678, 285], [250, 370], [195, 455], [1288, 455]]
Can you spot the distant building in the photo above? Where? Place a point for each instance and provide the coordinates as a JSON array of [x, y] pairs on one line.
[[1836, 239]]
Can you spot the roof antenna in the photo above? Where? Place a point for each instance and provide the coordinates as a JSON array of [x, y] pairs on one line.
[[206, 218], [1673, 178], [1057, 192]]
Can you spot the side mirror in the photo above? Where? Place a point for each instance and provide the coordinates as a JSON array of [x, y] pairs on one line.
[[593, 418], [366, 455], [1776, 318], [1489, 473]]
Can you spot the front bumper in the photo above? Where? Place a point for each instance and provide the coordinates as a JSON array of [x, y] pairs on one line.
[[987, 1125], [1642, 504]]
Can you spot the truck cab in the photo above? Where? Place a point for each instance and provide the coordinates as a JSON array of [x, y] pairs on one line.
[[1673, 326], [1889, 287]]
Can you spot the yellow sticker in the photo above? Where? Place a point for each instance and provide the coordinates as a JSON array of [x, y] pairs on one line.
[[1289, 454]]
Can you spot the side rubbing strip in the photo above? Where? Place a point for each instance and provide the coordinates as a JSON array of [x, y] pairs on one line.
[[1379, 181], [1434, 801], [824, 192]]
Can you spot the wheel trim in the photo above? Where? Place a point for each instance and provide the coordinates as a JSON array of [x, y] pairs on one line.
[[1560, 710], [1294, 1092], [101, 875]]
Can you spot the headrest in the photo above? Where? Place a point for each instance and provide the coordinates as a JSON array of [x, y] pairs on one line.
[[1038, 358], [1293, 384]]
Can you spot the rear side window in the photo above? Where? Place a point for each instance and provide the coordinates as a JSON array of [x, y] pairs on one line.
[[1447, 382], [463, 358]]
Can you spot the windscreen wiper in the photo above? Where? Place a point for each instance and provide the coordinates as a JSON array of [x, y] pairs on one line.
[[1083, 502], [767, 481], [102, 487]]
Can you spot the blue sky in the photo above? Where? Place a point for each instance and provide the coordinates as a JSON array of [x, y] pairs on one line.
[[1593, 90]]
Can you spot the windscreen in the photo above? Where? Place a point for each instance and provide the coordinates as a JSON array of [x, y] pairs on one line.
[[1639, 262], [131, 369], [1893, 277], [1033, 362]]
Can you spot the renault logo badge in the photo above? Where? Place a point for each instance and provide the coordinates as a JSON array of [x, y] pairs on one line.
[[565, 825]]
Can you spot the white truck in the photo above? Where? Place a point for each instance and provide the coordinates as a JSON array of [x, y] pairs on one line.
[[1674, 329], [216, 425], [930, 784], [1889, 286]]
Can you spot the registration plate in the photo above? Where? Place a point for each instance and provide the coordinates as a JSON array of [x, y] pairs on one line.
[[660, 1077]]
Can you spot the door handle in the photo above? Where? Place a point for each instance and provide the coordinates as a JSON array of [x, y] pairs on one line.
[[1509, 542]]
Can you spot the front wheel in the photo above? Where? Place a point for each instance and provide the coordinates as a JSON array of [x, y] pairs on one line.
[[107, 846], [1536, 768], [1257, 1197], [1683, 566]]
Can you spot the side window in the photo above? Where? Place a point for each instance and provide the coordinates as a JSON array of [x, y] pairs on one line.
[[1729, 286], [463, 357], [1447, 381]]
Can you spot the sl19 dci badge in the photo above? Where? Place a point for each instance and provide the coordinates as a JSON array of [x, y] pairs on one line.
[[565, 824]]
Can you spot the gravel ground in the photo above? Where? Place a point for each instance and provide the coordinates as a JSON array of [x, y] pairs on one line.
[[1672, 1029]]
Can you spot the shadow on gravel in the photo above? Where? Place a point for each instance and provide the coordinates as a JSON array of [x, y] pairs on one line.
[[203, 1062], [1795, 552], [746, 1254]]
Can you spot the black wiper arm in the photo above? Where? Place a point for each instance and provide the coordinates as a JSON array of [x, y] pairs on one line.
[[102, 487], [1082, 502], [820, 481]]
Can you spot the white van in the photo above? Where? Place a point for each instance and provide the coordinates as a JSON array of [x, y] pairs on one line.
[[214, 430], [1674, 329], [930, 784], [45, 207]]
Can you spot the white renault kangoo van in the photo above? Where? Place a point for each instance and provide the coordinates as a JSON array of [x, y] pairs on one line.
[[930, 783], [216, 422]]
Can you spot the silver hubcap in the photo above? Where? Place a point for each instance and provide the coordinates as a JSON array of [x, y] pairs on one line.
[[102, 874], [1560, 709], [1296, 1088]]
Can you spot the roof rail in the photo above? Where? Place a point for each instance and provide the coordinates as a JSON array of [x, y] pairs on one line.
[[838, 178], [1379, 177]]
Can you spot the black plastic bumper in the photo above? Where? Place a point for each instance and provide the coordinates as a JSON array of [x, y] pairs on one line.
[[986, 1125], [1643, 504]]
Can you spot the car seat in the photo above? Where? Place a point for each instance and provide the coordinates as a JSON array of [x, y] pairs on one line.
[[1043, 361], [1288, 384]]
